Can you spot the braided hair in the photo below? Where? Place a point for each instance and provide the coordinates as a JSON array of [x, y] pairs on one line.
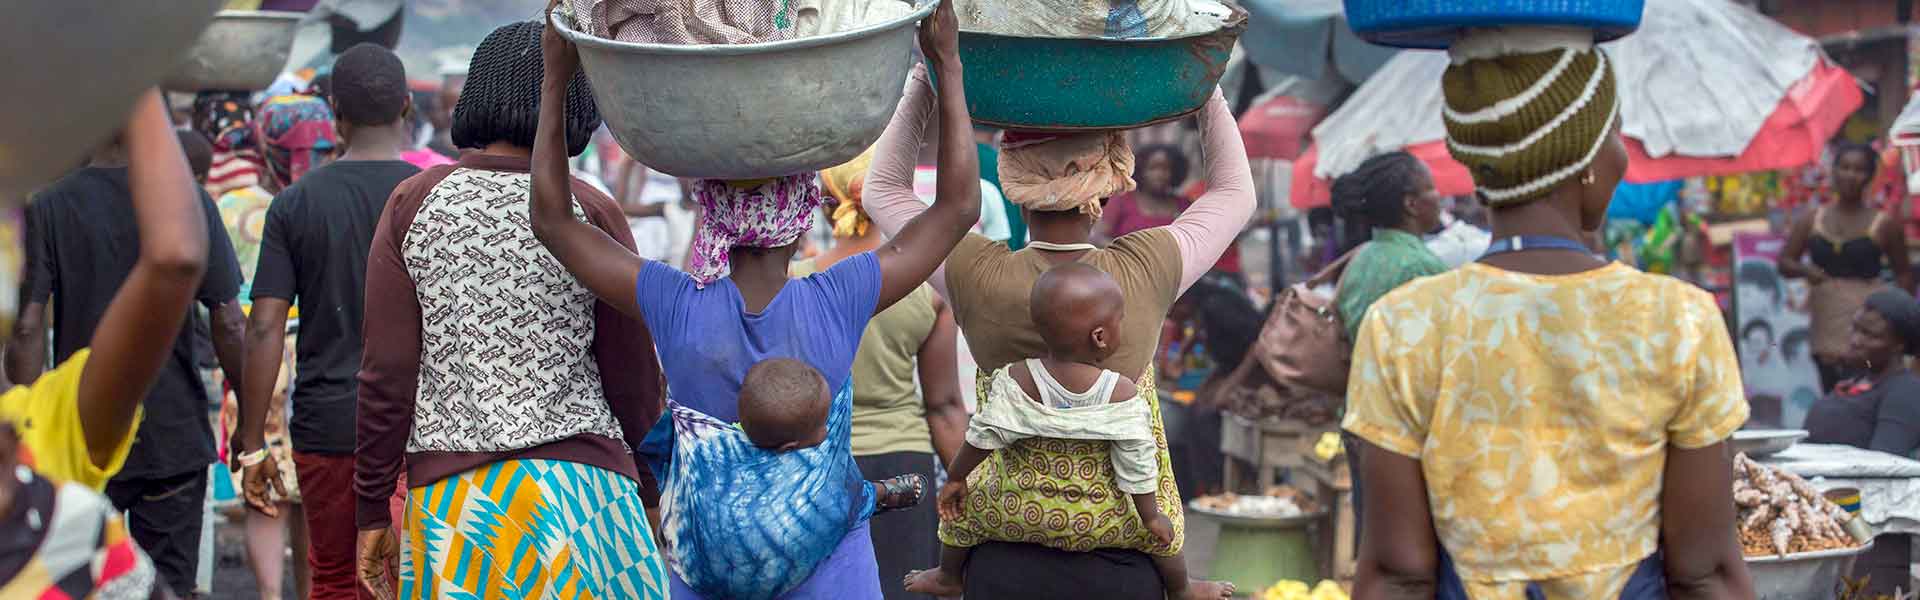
[[501, 101], [1375, 194]]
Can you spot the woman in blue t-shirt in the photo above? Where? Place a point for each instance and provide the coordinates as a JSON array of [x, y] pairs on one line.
[[736, 306]]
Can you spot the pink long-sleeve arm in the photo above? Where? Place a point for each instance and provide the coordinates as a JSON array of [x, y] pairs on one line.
[[1214, 221], [888, 195]]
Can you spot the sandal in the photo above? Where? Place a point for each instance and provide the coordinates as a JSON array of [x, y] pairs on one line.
[[900, 492]]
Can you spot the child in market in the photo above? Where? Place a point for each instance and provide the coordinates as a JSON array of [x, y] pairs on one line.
[[787, 455], [1078, 310]]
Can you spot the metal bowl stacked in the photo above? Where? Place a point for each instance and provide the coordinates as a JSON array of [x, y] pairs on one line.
[[1092, 84], [749, 111], [74, 68], [243, 50]]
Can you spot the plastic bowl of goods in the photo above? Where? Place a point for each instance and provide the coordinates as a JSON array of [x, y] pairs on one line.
[[1433, 24], [243, 50], [1797, 543], [66, 94], [1093, 84], [749, 111]]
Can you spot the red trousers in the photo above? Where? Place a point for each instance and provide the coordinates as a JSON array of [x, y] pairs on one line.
[[326, 494]]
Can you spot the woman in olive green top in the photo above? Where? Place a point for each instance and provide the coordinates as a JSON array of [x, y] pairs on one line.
[[1393, 195], [898, 427]]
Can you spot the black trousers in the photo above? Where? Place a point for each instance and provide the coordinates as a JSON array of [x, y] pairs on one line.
[[164, 517], [1003, 571], [906, 540]]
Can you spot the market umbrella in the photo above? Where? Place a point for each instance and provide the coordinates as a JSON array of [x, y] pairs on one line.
[[1707, 87]]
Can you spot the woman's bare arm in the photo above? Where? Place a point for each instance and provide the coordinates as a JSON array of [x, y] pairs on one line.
[[1892, 238], [1399, 551], [1702, 550], [939, 362], [599, 262], [1790, 262]]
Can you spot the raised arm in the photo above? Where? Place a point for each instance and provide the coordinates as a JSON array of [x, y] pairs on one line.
[[1205, 230], [888, 197], [126, 356], [912, 255], [599, 262]]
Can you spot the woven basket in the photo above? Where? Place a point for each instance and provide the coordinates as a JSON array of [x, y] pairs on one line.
[[1433, 24]]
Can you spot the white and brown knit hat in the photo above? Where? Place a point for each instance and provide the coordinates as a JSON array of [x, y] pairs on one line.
[[1527, 110]]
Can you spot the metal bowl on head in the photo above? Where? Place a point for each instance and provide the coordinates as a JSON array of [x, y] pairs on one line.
[[1093, 84], [749, 111], [243, 50], [1766, 442], [76, 67]]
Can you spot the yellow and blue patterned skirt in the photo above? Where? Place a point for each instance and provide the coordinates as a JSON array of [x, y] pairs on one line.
[[530, 529]]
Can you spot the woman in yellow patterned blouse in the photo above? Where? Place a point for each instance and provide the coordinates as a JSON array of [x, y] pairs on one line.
[[1542, 421]]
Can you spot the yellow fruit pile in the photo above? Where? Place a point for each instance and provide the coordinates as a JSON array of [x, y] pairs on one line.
[[1297, 590]]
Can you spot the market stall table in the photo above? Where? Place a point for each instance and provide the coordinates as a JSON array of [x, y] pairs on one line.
[[1889, 485]]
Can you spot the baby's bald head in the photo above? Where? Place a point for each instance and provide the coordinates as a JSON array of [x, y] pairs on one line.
[[783, 405], [1078, 310]]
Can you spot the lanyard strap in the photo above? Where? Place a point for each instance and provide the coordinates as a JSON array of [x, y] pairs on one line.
[[1534, 242]]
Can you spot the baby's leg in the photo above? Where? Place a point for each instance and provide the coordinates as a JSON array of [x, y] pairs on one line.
[[1173, 572], [944, 580]]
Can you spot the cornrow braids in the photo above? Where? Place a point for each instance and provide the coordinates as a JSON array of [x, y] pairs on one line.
[[501, 100], [1375, 193]]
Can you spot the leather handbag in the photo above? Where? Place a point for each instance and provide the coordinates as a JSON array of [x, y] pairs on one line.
[[1303, 344]]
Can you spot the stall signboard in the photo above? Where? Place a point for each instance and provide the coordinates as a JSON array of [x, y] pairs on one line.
[[1770, 328]]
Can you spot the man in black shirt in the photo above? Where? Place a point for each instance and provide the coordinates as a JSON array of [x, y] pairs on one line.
[[81, 244], [314, 250]]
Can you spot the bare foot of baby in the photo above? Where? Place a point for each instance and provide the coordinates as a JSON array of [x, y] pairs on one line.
[[933, 582], [1206, 590]]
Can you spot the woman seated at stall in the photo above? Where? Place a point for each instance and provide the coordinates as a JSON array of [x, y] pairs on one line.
[[736, 307], [1879, 410], [1061, 185]]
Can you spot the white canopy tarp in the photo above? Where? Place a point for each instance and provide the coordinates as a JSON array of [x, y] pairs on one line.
[[1699, 79]]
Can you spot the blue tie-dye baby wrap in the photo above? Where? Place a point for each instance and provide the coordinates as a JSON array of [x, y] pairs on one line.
[[748, 523]]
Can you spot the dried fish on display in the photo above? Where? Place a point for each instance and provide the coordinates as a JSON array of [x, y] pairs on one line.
[[1780, 513]]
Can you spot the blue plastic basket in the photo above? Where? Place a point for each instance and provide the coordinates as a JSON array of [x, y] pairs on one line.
[[1433, 24]]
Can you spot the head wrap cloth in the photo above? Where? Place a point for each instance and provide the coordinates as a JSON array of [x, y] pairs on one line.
[[1068, 172], [1527, 109], [761, 213], [845, 183], [298, 133]]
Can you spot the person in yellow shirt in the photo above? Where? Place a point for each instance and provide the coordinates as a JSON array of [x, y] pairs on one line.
[[1542, 422]]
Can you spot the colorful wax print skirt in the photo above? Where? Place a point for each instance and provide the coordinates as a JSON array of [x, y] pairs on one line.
[[1062, 494], [530, 529], [746, 523]]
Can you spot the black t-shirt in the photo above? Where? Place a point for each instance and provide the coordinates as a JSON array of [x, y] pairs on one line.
[[82, 241], [314, 252]]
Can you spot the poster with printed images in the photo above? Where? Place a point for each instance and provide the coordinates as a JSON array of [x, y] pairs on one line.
[[1770, 329]]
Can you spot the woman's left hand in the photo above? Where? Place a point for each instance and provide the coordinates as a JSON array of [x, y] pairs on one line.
[[561, 57]]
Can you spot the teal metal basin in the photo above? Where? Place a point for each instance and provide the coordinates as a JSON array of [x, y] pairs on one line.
[[1058, 84]]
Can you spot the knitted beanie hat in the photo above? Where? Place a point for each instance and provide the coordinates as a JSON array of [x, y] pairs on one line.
[[1524, 119]]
